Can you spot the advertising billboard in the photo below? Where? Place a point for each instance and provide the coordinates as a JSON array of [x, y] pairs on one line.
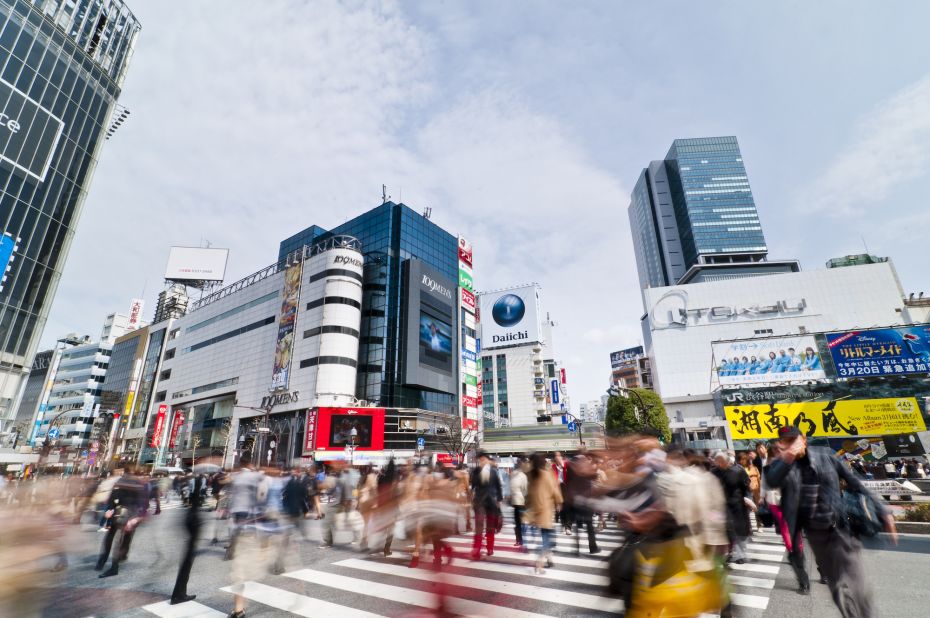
[[287, 321], [430, 328], [196, 264], [159, 425], [622, 358], [135, 313], [902, 445], [29, 133], [511, 317], [465, 252], [837, 418], [337, 428], [881, 351], [8, 245], [781, 359]]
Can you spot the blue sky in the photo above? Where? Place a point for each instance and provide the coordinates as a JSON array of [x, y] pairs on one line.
[[522, 124]]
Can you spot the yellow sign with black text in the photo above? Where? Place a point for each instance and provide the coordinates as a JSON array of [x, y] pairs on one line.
[[834, 419]]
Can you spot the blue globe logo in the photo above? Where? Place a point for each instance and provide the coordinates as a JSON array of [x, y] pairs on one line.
[[508, 310]]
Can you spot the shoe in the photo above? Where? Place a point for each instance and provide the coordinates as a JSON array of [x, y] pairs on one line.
[[108, 573], [476, 555], [596, 551], [414, 562], [518, 544], [490, 552], [237, 614], [823, 580], [805, 590], [99, 566], [184, 599], [548, 563], [740, 561], [447, 551], [326, 545], [387, 553]]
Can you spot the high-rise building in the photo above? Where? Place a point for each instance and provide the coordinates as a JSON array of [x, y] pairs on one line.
[[62, 65], [392, 235], [693, 217]]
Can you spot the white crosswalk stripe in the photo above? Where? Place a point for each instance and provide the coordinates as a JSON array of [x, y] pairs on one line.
[[502, 586]]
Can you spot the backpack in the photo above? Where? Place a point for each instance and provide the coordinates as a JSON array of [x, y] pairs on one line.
[[862, 514]]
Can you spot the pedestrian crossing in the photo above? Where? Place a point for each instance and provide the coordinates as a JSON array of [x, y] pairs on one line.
[[502, 586]]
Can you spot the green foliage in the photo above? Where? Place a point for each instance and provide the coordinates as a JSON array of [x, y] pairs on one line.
[[921, 512], [625, 415]]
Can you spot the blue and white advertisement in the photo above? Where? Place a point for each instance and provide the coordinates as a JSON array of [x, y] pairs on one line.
[[759, 361], [881, 351], [7, 246], [555, 391]]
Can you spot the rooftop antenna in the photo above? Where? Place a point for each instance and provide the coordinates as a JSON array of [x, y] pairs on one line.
[[864, 244], [427, 212], [384, 196]]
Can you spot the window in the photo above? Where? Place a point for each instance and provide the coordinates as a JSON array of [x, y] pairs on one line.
[[327, 360], [763, 331], [174, 334], [327, 330], [165, 375], [169, 354], [335, 272], [230, 334], [333, 300], [160, 396], [206, 387]]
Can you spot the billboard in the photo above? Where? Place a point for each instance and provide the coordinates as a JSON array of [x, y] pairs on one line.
[[623, 357], [511, 317], [780, 359], [196, 264], [159, 425], [337, 428], [287, 322], [902, 445], [29, 133], [8, 245], [836, 418], [430, 328], [881, 351]]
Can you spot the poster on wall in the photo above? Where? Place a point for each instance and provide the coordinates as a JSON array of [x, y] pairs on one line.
[[837, 418], [783, 359], [287, 322], [881, 351]]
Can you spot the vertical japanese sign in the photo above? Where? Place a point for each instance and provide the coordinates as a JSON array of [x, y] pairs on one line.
[[159, 425], [470, 388], [310, 431], [287, 323], [176, 427], [135, 313]]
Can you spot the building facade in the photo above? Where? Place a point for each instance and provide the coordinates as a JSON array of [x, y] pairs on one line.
[[62, 64], [630, 368], [693, 217], [682, 324], [391, 235]]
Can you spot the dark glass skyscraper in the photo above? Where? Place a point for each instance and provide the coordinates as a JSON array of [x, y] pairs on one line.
[[693, 212], [62, 64], [390, 234]]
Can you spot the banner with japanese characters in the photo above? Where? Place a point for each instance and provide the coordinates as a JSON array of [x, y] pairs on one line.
[[836, 418], [881, 351]]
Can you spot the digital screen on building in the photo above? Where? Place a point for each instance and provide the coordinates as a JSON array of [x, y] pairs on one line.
[[29, 133], [337, 428], [435, 341], [343, 428]]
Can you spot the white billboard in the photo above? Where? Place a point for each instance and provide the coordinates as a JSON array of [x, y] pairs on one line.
[[196, 264], [755, 361], [509, 317]]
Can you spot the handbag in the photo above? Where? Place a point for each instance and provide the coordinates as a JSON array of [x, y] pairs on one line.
[[764, 515], [862, 514]]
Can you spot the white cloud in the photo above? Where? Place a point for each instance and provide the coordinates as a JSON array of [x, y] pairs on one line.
[[891, 146]]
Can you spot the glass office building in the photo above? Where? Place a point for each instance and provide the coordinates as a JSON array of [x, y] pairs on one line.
[[693, 217], [62, 64], [390, 234]]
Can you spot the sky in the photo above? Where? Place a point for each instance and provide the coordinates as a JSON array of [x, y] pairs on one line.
[[523, 125]]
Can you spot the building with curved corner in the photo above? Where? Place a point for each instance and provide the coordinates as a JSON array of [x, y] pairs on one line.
[[62, 66]]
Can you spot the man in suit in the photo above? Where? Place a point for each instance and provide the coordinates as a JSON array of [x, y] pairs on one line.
[[487, 495], [811, 501]]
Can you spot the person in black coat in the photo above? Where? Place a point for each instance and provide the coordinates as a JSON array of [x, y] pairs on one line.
[[812, 502], [736, 492], [192, 524], [487, 495]]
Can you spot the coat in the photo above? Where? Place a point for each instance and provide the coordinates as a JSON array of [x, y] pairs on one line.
[[735, 488], [542, 499], [486, 496], [829, 470]]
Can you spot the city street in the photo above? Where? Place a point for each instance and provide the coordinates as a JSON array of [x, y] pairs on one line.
[[344, 582]]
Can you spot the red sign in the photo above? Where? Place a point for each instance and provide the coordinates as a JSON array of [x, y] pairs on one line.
[[465, 253], [468, 299], [310, 430], [337, 428], [447, 459], [469, 424], [479, 400], [159, 425], [469, 402], [563, 375], [176, 427]]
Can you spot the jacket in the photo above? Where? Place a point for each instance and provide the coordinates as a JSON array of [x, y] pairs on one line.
[[543, 497], [488, 495], [518, 488], [829, 470]]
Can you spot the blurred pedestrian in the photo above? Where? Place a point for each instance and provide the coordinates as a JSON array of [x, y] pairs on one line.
[[735, 483], [543, 498], [192, 525], [487, 495], [126, 509], [580, 476], [518, 491]]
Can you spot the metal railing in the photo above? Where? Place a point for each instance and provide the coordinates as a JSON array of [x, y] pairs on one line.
[[306, 252]]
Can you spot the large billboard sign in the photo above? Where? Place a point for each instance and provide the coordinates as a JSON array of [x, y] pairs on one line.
[[431, 340], [287, 322], [836, 418], [196, 264], [881, 351], [622, 358], [362, 429], [29, 133], [755, 361], [511, 317]]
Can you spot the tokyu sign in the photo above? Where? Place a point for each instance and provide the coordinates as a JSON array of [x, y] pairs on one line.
[[29, 133]]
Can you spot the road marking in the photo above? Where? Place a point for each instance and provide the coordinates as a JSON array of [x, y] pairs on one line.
[[407, 595], [296, 603], [754, 568], [764, 547], [549, 595], [752, 582], [565, 541], [527, 571], [764, 557], [191, 609], [512, 553], [749, 600]]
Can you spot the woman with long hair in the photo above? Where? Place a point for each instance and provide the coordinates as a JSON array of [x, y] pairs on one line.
[[543, 498]]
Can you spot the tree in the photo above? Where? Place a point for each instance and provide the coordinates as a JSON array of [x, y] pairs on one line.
[[625, 414], [454, 439]]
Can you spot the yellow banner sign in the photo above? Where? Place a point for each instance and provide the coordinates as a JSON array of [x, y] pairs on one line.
[[835, 419]]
